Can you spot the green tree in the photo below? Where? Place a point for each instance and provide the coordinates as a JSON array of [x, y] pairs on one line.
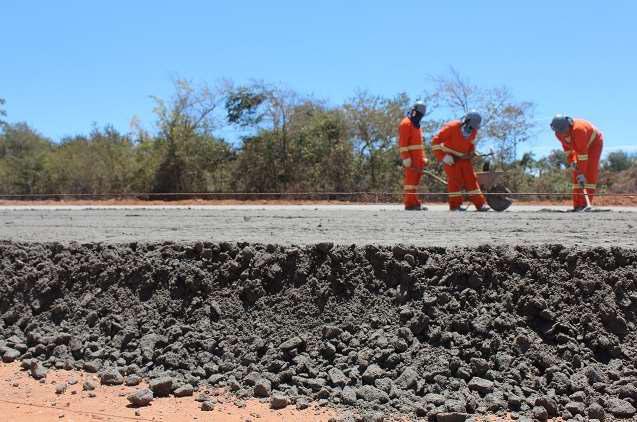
[[373, 124], [617, 161], [102, 162], [268, 108], [189, 151], [23, 154], [3, 113], [506, 124]]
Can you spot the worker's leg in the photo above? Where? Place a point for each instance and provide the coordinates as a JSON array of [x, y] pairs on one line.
[[471, 183], [578, 194], [592, 170], [411, 180], [454, 183]]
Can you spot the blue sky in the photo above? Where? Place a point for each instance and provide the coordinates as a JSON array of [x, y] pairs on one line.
[[67, 65]]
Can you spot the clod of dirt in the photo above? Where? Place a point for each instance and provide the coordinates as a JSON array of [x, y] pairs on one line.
[[184, 391], [60, 388], [161, 387], [88, 386], [278, 401], [111, 377], [141, 397], [207, 406], [428, 332]]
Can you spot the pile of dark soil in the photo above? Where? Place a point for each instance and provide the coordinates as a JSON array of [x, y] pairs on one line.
[[444, 333]]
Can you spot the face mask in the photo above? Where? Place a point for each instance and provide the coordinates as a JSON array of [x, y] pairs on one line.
[[466, 131], [415, 118]]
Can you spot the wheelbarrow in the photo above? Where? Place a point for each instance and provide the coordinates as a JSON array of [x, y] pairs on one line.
[[490, 181]]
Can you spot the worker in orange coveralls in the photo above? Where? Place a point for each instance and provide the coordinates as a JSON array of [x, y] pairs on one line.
[[583, 145], [454, 147], [412, 155]]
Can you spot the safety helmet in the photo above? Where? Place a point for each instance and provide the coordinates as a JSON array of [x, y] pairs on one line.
[[472, 120], [420, 107], [561, 123]]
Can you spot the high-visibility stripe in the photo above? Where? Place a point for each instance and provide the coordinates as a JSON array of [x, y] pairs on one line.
[[582, 157], [450, 151], [594, 136], [410, 187], [412, 148], [590, 186], [436, 147], [475, 192], [576, 186], [455, 194]]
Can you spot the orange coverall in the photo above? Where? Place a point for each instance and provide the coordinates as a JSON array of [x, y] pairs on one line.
[[411, 146], [461, 174], [583, 146]]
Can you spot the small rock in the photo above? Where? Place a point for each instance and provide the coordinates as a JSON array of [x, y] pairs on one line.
[[202, 398], [111, 377], [575, 407], [88, 386], [10, 355], [207, 406], [549, 404], [480, 385], [38, 371], [133, 380], [161, 387], [620, 408], [141, 397], [372, 373], [371, 394], [92, 366], [292, 343], [279, 401], [337, 377], [451, 417], [262, 388], [408, 379], [60, 388], [184, 391], [596, 411], [302, 403], [540, 414]]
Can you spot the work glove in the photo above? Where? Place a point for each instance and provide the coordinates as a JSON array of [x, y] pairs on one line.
[[407, 162], [448, 160], [581, 179]]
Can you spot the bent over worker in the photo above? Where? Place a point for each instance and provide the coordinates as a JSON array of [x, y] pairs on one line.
[[412, 155], [583, 145], [454, 147]]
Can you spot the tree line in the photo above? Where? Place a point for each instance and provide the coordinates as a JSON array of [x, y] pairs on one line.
[[289, 142]]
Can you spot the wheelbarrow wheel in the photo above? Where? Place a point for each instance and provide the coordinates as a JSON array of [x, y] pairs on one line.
[[498, 198]]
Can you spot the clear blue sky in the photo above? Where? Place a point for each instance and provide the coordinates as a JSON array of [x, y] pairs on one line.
[[66, 65]]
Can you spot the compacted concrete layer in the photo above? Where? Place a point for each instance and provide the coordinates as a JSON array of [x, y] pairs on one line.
[[523, 225]]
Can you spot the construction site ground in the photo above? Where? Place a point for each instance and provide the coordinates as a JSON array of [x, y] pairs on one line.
[[364, 312], [308, 224]]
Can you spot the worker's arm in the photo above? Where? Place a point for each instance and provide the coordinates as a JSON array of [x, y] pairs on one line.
[[438, 143], [579, 142], [568, 149], [403, 141]]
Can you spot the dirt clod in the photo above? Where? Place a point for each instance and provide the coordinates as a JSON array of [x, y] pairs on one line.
[[430, 332]]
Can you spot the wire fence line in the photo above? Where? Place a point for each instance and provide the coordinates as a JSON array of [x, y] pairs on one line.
[[142, 195]]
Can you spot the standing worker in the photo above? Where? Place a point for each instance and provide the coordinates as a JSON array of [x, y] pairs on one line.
[[583, 145], [412, 155], [454, 147]]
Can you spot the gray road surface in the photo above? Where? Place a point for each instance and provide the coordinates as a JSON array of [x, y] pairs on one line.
[[359, 224]]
